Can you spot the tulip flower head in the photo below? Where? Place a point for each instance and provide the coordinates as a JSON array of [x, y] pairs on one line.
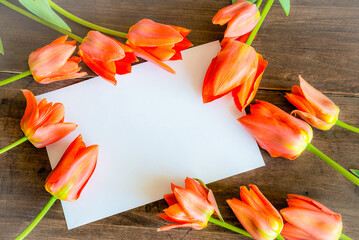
[[43, 123], [72, 173], [307, 219], [157, 42], [54, 62], [242, 17], [106, 56], [314, 107], [191, 206], [234, 65], [281, 134], [256, 214]]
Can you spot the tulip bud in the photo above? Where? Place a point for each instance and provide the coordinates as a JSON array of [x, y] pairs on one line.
[[257, 214], [72, 173]]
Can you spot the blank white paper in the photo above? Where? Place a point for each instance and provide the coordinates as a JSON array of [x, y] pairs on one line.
[[153, 129]]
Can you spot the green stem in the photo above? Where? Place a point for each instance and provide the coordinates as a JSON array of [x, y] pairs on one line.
[[229, 226], [263, 16], [344, 237], [18, 142], [16, 77], [259, 2], [37, 19], [86, 23], [279, 237], [347, 126], [37, 219], [333, 164]]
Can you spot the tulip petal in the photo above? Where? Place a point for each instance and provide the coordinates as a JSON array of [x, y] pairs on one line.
[[147, 33], [318, 225], [290, 232], [300, 102], [195, 187], [256, 223], [312, 204], [69, 71], [184, 44], [170, 199], [49, 59], [243, 22], [236, 63], [225, 14], [49, 134], [101, 47], [176, 213], [312, 120], [31, 111], [296, 124], [106, 70], [183, 31], [161, 53], [195, 226], [49, 114], [245, 93], [62, 40], [196, 207], [207, 90], [318, 100], [142, 54]]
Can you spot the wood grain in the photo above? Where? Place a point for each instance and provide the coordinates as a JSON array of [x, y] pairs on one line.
[[320, 40]]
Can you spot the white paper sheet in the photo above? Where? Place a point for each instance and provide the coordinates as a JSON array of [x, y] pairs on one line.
[[153, 129]]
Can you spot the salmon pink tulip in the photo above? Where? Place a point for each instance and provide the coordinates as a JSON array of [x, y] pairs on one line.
[[281, 134], [43, 123], [234, 65], [157, 42], [54, 62], [191, 206], [314, 107], [307, 219], [72, 173], [106, 56], [242, 17], [256, 214]]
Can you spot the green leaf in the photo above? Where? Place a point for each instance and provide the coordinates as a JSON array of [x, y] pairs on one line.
[[42, 9], [355, 172], [285, 5], [1, 47]]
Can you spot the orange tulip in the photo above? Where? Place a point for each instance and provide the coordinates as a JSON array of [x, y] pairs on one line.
[[157, 42], [308, 219], [53, 63], [277, 131], [314, 107], [241, 17], [256, 214], [245, 93], [43, 123], [72, 173], [234, 65], [191, 206], [106, 56]]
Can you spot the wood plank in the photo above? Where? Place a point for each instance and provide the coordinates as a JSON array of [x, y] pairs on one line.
[[318, 40], [24, 170]]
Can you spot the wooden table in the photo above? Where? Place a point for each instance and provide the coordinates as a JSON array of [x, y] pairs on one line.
[[319, 39]]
